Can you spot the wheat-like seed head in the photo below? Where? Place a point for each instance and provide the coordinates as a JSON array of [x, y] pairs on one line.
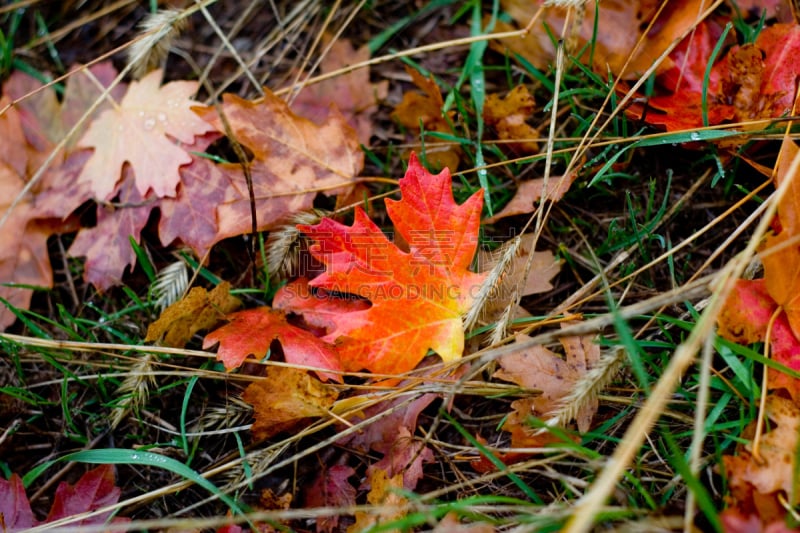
[[170, 284], [284, 243], [135, 389], [159, 30]]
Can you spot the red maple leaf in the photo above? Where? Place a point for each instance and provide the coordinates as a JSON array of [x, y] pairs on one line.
[[749, 82], [417, 297], [251, 332], [94, 490]]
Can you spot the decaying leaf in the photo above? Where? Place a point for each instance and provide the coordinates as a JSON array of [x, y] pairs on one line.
[[352, 93], [386, 497], [286, 397], [509, 115], [756, 481], [611, 47], [530, 192], [198, 310], [331, 488], [425, 110], [417, 297], [451, 524], [293, 159], [142, 131], [539, 369], [94, 490], [251, 332], [107, 246]]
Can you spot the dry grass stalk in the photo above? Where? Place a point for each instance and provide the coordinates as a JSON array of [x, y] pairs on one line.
[[285, 243]]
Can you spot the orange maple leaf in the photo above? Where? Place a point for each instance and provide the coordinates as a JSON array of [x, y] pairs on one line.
[[142, 130], [417, 297]]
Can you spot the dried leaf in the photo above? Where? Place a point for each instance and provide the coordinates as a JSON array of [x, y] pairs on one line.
[[425, 110], [351, 93], [451, 524], [293, 158], [198, 310], [140, 131], [107, 246], [252, 331], [284, 399], [509, 115], [529, 192], [15, 509], [331, 488], [610, 48], [385, 496], [417, 297]]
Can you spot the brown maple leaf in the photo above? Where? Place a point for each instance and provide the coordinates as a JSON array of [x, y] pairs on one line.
[[509, 115], [107, 246], [286, 397], [424, 110], [198, 310], [293, 159], [142, 131], [352, 93]]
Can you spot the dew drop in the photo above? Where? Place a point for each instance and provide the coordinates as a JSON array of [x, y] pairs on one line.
[[149, 123], [162, 117], [694, 136]]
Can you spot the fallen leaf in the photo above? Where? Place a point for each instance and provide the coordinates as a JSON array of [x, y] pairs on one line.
[[318, 308], [351, 93], [509, 116], [424, 110], [331, 488], [386, 498], [251, 332], [417, 297], [293, 159], [15, 509], [405, 456], [744, 319], [530, 191], [284, 399], [789, 206], [611, 47], [107, 245], [142, 131], [541, 370], [781, 261], [756, 481], [198, 310], [46, 121], [94, 490], [191, 217]]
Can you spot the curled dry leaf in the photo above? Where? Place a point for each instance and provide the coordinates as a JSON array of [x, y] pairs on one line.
[[252, 331], [539, 369], [293, 159], [198, 310], [331, 488], [385, 496], [509, 115], [425, 109], [756, 481], [285, 398], [352, 93]]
